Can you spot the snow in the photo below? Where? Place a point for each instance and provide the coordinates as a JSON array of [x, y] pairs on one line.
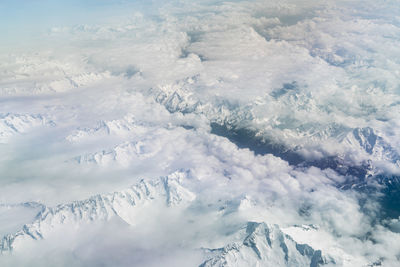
[[14, 124], [265, 245], [101, 207], [254, 133]]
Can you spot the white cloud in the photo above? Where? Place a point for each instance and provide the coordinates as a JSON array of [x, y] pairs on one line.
[[136, 96]]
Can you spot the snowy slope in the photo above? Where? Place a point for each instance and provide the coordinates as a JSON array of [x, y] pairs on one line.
[[14, 124], [264, 245], [368, 141], [121, 204]]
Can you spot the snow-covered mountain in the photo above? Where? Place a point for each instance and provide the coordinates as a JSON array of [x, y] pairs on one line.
[[28, 74], [14, 124], [274, 126], [124, 126], [264, 245], [122, 154], [261, 245], [374, 145], [302, 136], [167, 190]]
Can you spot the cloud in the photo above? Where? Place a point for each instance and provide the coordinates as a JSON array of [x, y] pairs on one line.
[[135, 96]]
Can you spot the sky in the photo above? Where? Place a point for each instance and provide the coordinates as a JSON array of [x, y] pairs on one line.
[[277, 112], [27, 21]]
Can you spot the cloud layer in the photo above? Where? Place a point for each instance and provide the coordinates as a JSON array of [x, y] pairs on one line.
[[95, 107]]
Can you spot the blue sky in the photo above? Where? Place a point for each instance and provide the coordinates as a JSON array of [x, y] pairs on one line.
[[22, 19]]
